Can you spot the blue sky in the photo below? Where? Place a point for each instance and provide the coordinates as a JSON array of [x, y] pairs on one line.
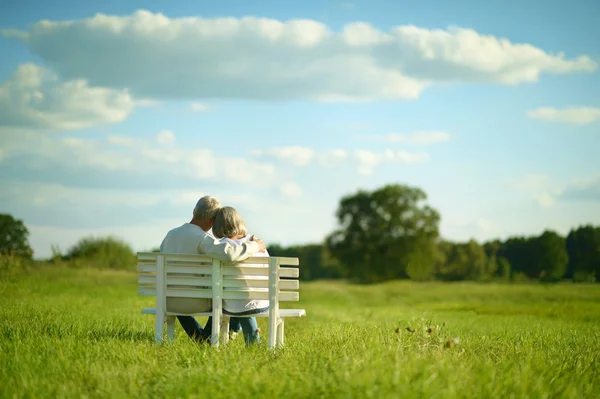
[[117, 123]]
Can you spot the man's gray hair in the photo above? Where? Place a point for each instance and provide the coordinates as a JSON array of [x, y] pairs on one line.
[[206, 208], [228, 223]]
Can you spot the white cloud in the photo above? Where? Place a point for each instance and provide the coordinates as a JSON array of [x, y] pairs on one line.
[[547, 192], [261, 58], [35, 97], [296, 155], [463, 229], [165, 137], [422, 138], [291, 189], [139, 157], [543, 190], [76, 152], [120, 140], [146, 102], [368, 160], [245, 171], [349, 126], [570, 115], [333, 157], [197, 107], [545, 200], [583, 190], [46, 193], [485, 225], [303, 156], [532, 182]]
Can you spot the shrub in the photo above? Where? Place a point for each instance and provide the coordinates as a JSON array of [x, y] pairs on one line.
[[107, 252], [13, 265]]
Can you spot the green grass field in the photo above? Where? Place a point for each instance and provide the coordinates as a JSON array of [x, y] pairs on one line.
[[79, 333]]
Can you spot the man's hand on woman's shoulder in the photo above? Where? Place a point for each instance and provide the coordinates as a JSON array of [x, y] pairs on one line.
[[261, 245]]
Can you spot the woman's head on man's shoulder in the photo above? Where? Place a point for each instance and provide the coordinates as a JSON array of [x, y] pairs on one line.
[[229, 223]]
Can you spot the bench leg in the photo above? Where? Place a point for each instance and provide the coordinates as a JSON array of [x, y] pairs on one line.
[[170, 328], [160, 328], [272, 332], [225, 330], [280, 332], [216, 329]]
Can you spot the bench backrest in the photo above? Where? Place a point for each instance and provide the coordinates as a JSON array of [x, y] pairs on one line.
[[198, 276]]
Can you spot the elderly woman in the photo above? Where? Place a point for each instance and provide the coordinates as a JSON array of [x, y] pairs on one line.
[[230, 228]]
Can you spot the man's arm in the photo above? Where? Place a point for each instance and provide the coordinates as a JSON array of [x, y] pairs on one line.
[[226, 252]]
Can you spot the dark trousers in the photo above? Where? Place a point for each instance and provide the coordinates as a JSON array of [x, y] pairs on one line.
[[196, 332]]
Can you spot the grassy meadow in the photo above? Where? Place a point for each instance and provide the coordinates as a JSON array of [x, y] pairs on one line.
[[79, 333]]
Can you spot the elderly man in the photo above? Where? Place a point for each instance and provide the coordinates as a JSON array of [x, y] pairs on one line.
[[192, 238]]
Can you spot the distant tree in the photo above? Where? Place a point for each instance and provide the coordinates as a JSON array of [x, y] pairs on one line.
[[491, 248], [504, 271], [551, 256], [492, 267], [422, 265], [521, 255], [464, 261], [315, 260], [583, 247], [14, 237], [382, 232], [278, 250], [311, 261]]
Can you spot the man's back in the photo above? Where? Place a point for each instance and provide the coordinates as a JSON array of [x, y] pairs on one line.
[[184, 239]]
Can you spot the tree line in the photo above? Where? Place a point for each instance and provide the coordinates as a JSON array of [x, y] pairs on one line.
[[386, 234], [392, 233]]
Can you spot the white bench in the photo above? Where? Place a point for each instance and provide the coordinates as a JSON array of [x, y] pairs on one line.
[[199, 276]]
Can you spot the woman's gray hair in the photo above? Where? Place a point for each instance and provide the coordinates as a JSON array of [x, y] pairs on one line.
[[228, 223], [206, 208]]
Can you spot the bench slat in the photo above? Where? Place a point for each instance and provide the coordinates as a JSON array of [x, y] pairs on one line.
[[283, 296], [282, 313], [198, 258], [151, 268], [264, 260], [235, 271], [150, 279]]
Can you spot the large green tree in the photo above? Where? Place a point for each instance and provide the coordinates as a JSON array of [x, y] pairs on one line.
[[583, 247], [385, 234], [14, 237]]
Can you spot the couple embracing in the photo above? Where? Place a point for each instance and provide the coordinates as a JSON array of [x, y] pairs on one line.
[[218, 232]]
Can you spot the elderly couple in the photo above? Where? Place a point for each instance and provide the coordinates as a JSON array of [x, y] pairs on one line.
[[218, 232]]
